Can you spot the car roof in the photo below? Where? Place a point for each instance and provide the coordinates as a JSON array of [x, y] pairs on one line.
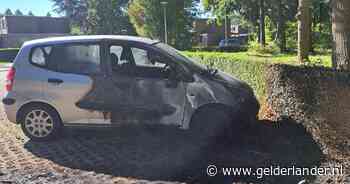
[[90, 38]]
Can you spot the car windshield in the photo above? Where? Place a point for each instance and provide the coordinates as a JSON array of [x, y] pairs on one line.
[[194, 65]]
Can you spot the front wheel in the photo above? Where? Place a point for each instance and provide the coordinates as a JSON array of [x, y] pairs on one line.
[[211, 124], [40, 122]]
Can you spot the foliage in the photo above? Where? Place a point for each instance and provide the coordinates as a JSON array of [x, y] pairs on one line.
[[278, 12], [30, 13], [9, 49], [48, 14], [8, 12], [148, 19], [108, 17], [75, 10], [322, 36], [292, 35], [270, 48], [18, 13], [8, 54], [75, 30], [96, 16]]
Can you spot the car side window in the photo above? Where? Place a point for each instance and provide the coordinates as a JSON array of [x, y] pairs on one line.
[[144, 59], [39, 55], [151, 64], [75, 59], [118, 55]]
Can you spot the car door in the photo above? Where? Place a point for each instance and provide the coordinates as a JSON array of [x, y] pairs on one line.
[[71, 76], [118, 84], [157, 96]]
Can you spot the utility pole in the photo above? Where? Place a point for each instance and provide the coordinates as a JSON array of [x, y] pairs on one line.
[[226, 27], [164, 3]]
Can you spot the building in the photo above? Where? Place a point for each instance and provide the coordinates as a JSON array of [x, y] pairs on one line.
[[208, 33], [14, 30]]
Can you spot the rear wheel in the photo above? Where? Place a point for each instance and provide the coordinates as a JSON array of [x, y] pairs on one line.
[[40, 122]]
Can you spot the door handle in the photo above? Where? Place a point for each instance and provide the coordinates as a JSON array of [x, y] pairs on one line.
[[55, 81]]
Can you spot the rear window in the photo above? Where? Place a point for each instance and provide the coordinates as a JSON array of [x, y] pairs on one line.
[[75, 59]]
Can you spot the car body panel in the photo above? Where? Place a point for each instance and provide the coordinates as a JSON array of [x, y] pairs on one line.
[[65, 95]]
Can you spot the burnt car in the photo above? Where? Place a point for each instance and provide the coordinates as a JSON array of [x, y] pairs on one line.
[[118, 80]]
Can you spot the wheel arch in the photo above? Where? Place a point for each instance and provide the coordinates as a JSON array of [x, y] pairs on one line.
[[25, 105], [209, 107]]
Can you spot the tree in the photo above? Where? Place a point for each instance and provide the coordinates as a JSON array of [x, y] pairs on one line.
[[262, 34], [97, 16], [48, 14], [322, 27], [18, 13], [254, 11], [75, 10], [148, 20], [30, 13], [341, 34], [108, 17], [304, 29], [8, 12], [281, 13]]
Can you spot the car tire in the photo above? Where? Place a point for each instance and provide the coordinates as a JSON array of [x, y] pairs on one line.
[[40, 122], [211, 124]]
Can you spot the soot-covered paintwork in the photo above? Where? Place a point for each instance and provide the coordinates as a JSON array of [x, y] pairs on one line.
[[154, 101], [132, 99]]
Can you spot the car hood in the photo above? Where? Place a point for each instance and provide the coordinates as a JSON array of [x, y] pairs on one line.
[[233, 83], [224, 77]]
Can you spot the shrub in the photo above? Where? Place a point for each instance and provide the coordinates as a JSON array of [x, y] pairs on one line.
[[270, 48], [292, 35], [8, 54]]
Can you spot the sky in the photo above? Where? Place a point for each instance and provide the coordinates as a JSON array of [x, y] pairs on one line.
[[38, 7]]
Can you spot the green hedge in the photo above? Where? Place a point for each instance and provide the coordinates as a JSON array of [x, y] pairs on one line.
[[9, 49], [8, 54]]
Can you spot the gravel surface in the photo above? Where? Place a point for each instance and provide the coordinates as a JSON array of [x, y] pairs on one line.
[[153, 155]]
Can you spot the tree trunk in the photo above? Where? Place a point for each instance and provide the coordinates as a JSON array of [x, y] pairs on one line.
[[262, 37], [311, 37], [304, 29], [282, 37], [341, 34], [281, 29]]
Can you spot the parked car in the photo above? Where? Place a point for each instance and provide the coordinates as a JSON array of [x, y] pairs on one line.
[[115, 80], [233, 44]]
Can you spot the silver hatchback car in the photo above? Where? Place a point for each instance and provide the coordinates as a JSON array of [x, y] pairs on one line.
[[115, 80]]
